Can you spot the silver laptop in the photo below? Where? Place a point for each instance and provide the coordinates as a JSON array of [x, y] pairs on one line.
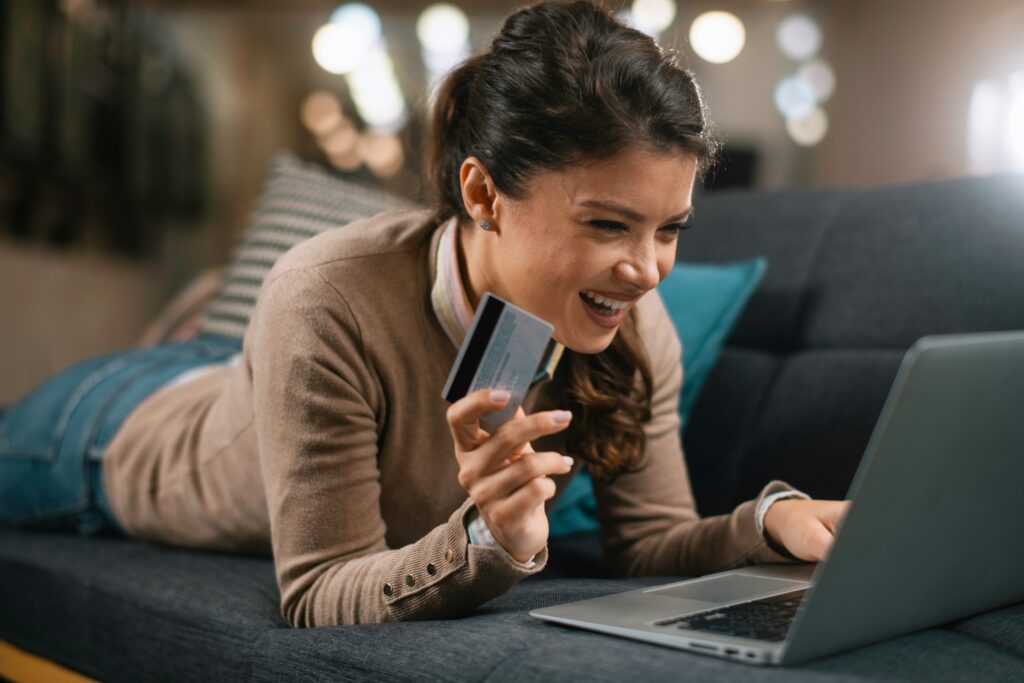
[[933, 533]]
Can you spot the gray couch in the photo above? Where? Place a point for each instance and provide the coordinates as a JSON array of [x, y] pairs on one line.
[[854, 278]]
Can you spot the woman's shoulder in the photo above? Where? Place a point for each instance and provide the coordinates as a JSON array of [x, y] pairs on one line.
[[657, 331], [356, 276], [390, 232]]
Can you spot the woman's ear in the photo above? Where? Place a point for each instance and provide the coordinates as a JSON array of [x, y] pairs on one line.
[[479, 194]]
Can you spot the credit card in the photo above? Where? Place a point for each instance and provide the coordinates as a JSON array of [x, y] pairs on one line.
[[505, 348]]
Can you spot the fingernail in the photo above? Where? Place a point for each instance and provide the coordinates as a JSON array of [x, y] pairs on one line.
[[500, 396], [567, 460], [560, 417]]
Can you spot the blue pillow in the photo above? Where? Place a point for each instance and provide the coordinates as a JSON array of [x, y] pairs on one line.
[[704, 302]]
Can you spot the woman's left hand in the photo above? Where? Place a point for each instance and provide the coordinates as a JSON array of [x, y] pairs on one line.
[[806, 528]]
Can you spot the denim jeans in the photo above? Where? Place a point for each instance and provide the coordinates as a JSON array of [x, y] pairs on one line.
[[52, 441]]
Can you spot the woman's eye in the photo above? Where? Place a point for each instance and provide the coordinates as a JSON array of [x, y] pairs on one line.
[[612, 226], [615, 226], [679, 227]]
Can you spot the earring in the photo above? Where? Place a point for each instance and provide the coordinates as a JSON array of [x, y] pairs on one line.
[[485, 225]]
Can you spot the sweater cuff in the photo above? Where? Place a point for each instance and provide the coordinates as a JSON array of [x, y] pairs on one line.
[[455, 576], [765, 550], [480, 534], [770, 500]]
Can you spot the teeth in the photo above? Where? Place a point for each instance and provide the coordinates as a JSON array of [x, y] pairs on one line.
[[604, 301]]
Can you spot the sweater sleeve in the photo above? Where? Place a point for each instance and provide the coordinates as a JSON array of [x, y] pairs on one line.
[[317, 408], [649, 521]]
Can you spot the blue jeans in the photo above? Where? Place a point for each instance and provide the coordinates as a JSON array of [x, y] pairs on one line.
[[52, 441]]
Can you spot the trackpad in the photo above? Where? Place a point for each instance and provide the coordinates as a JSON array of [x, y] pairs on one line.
[[725, 588]]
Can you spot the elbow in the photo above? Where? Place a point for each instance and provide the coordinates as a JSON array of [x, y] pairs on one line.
[[295, 611], [625, 562], [311, 607]]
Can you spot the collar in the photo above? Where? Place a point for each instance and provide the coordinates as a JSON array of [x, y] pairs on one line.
[[451, 305]]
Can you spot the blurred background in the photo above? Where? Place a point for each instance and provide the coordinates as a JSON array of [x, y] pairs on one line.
[[134, 136]]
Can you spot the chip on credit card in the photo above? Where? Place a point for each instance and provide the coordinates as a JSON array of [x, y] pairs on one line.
[[504, 348]]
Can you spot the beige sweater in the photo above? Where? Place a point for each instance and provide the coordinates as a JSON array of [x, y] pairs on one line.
[[328, 447]]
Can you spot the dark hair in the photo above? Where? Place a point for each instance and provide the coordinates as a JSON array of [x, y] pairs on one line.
[[564, 84]]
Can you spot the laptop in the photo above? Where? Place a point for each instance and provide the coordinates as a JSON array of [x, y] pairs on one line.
[[932, 534]]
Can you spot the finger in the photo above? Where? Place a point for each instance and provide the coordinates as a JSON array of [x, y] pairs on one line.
[[521, 503], [505, 481], [819, 542], [834, 513], [525, 448], [464, 416], [512, 438]]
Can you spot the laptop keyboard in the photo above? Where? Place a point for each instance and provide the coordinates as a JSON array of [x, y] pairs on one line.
[[760, 620]]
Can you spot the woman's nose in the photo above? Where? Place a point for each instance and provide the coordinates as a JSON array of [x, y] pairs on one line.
[[640, 270]]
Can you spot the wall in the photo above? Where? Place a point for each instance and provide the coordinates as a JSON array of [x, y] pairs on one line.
[[58, 308], [905, 71]]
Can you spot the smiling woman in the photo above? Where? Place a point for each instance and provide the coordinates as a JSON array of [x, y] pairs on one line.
[[580, 139], [574, 142]]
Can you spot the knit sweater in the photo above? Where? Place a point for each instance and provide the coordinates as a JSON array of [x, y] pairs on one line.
[[327, 446]]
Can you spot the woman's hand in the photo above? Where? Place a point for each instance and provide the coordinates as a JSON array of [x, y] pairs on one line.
[[806, 528], [504, 476]]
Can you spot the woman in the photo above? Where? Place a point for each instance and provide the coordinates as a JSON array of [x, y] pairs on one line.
[[564, 162]]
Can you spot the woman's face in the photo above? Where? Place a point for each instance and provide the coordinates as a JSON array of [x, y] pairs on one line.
[[584, 243]]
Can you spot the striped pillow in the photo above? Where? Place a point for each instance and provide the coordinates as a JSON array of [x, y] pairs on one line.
[[298, 201]]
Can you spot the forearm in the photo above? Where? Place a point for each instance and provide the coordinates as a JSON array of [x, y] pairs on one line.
[[697, 546], [439, 576]]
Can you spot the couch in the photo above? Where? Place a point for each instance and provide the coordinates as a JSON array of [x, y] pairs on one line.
[[854, 278]]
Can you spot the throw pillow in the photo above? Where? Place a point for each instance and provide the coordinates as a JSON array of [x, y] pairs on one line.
[[704, 302], [298, 201]]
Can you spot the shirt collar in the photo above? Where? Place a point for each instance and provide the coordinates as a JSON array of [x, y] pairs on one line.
[[451, 305]]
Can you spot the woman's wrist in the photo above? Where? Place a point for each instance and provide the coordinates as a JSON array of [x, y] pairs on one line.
[[480, 534], [768, 501]]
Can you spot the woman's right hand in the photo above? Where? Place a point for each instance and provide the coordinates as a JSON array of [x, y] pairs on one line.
[[507, 479]]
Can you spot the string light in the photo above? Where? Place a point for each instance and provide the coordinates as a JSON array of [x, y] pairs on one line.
[[799, 37], [808, 130], [653, 16], [443, 32], [718, 37]]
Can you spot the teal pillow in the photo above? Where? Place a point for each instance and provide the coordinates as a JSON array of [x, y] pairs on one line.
[[704, 301]]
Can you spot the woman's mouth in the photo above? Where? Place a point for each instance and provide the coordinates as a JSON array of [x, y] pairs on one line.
[[604, 311]]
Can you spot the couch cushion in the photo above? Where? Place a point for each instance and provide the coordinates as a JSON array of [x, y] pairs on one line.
[[899, 263], [120, 609], [854, 278]]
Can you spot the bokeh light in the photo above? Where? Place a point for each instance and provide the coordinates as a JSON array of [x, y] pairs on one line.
[[337, 48], [348, 161], [320, 112], [340, 141], [443, 31], [442, 28], [382, 153], [799, 37], [794, 98], [808, 130], [983, 127], [1015, 121], [360, 17], [376, 93], [341, 45], [717, 37], [820, 77], [995, 126], [653, 16]]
